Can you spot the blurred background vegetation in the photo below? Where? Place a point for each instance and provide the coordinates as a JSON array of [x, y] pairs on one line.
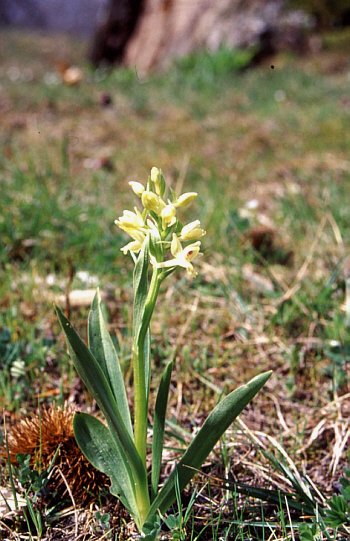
[[265, 148]]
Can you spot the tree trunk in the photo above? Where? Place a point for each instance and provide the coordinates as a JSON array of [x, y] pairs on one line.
[[149, 34], [117, 21], [172, 28]]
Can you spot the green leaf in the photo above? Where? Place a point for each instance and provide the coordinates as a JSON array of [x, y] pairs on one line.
[[213, 428], [158, 426], [150, 529], [307, 532], [345, 484], [102, 348], [162, 184], [173, 521], [99, 447], [155, 245], [338, 512], [140, 288], [93, 377]]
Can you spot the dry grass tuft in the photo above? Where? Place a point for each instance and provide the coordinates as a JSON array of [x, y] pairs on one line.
[[40, 436]]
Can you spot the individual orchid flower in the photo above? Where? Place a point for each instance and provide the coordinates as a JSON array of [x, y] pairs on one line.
[[168, 215], [151, 201], [185, 199], [131, 221], [192, 231], [137, 188], [136, 244], [182, 256]]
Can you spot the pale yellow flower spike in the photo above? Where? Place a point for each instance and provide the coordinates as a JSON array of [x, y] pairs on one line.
[[182, 256], [137, 225]]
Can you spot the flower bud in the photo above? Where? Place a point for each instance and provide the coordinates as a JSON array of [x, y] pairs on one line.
[[185, 199], [137, 188], [155, 173], [158, 180]]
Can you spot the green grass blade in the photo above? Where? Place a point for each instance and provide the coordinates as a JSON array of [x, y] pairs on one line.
[[301, 488], [14, 493], [93, 377], [213, 428], [158, 426], [268, 495], [99, 447], [102, 348]]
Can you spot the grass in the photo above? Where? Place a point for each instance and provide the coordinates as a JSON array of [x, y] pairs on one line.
[[267, 150]]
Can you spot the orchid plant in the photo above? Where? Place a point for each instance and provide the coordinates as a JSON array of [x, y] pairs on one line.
[[118, 447]]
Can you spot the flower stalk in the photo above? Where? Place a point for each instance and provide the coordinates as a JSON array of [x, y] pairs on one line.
[[139, 364]]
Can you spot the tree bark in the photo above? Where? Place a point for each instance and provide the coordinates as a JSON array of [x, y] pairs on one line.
[[116, 24], [148, 34], [173, 28]]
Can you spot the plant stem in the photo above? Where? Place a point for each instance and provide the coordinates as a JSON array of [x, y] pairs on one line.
[[143, 504], [140, 383], [141, 391]]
